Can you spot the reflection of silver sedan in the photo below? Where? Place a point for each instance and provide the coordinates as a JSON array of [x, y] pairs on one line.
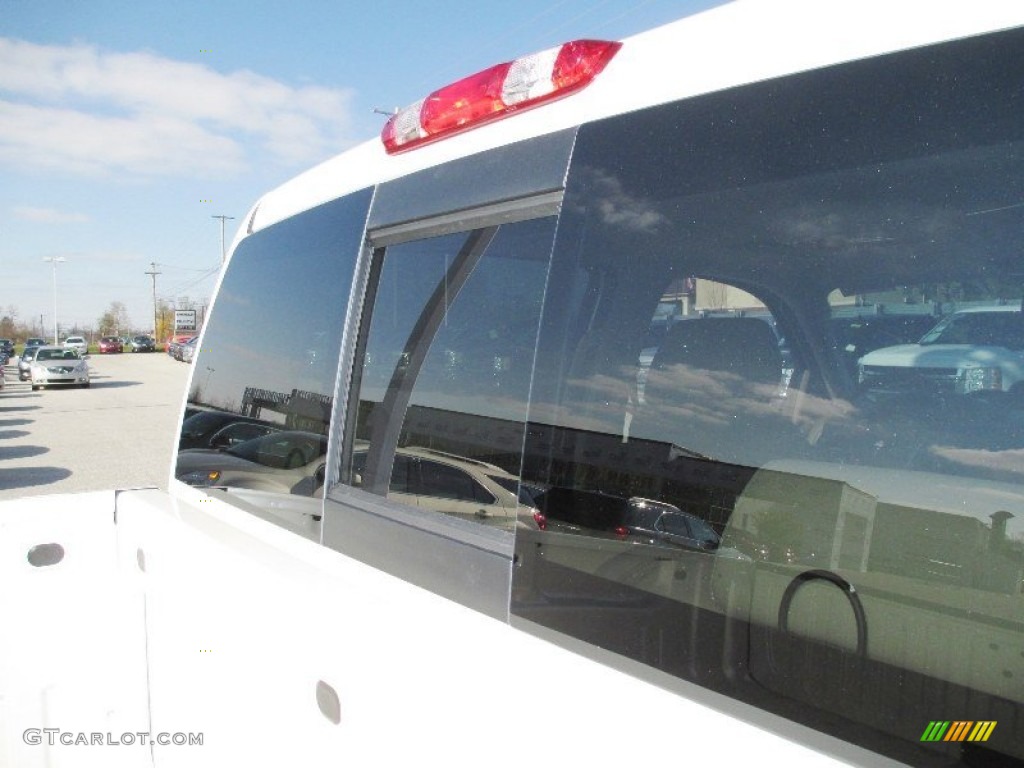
[[61, 366], [457, 486], [286, 462]]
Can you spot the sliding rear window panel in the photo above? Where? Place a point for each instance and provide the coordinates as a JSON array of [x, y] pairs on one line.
[[895, 182]]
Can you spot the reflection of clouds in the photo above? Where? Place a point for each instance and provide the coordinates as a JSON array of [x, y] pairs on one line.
[[249, 352], [618, 208], [710, 412], [231, 297], [680, 397], [856, 226], [1011, 460]]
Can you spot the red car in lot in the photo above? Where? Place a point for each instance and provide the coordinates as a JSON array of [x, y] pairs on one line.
[[111, 344]]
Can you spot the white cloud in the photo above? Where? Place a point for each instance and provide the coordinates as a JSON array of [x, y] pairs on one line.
[[48, 215], [90, 111]]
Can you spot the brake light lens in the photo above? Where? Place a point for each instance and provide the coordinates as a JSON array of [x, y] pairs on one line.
[[498, 92]]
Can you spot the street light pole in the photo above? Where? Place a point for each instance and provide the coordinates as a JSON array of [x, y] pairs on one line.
[[55, 260]]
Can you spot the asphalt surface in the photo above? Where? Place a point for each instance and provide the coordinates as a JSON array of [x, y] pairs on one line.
[[119, 433]]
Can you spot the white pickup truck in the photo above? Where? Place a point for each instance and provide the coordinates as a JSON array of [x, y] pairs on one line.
[[980, 349], [453, 319]]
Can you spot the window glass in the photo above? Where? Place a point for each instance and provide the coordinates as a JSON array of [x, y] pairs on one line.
[[445, 374], [793, 312], [270, 357]]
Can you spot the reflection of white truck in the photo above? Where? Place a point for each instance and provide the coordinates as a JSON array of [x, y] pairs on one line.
[[972, 350]]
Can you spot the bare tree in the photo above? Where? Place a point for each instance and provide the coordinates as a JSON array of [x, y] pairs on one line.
[[114, 321]]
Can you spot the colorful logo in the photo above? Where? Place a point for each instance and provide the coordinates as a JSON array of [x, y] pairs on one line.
[[958, 730]]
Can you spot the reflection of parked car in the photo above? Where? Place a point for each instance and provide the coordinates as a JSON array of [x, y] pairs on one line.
[[238, 432], [286, 462], [110, 344], [455, 485], [143, 344], [199, 428], [973, 350], [25, 362], [58, 366], [639, 520]]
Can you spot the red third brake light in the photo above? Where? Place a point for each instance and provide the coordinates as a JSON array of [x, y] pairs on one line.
[[498, 92]]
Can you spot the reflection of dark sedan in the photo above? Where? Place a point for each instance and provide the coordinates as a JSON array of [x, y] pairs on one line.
[[635, 519], [239, 432], [197, 429], [289, 462]]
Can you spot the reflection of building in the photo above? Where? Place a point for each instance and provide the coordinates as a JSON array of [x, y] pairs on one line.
[[578, 458], [711, 296], [839, 526], [827, 519], [309, 411]]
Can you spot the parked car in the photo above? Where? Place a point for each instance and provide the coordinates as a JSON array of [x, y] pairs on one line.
[[176, 347], [25, 362], [61, 366], [34, 341], [6, 349], [110, 344], [174, 343], [143, 344], [77, 343], [188, 350], [972, 350]]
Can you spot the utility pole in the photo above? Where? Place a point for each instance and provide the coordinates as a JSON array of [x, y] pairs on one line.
[[55, 260], [223, 252], [153, 273]]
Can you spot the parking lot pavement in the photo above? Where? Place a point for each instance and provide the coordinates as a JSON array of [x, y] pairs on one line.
[[119, 433]]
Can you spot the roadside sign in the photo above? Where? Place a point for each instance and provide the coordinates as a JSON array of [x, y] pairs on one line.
[[184, 320]]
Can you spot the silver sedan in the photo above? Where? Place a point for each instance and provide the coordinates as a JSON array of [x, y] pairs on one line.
[[58, 366]]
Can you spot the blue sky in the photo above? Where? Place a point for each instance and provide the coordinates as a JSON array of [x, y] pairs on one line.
[[126, 126]]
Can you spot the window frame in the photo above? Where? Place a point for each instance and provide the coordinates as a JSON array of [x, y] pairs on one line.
[[457, 558]]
